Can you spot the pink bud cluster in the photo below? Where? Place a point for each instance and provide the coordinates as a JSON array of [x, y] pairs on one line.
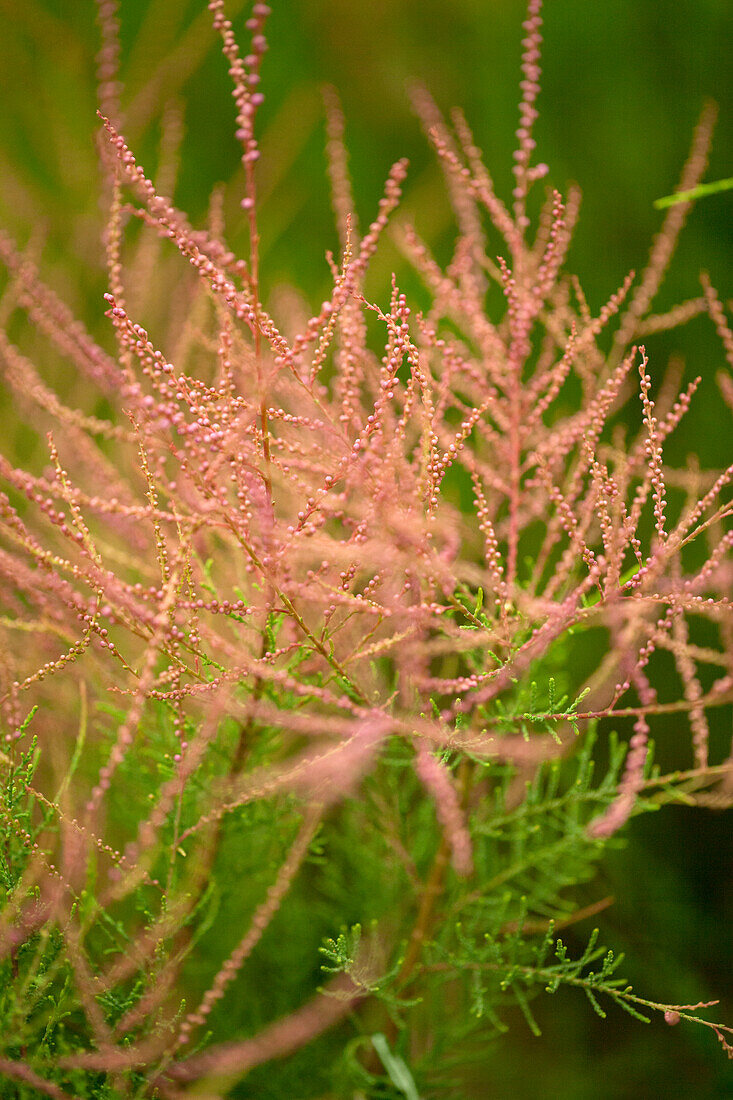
[[278, 562], [245, 74]]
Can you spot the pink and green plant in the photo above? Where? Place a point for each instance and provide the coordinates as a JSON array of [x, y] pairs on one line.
[[314, 637]]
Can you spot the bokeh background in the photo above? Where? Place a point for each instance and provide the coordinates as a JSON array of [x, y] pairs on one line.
[[623, 86]]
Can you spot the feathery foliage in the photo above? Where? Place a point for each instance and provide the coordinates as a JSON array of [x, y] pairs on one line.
[[343, 636]]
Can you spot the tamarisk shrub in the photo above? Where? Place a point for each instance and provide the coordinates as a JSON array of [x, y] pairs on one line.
[[298, 718]]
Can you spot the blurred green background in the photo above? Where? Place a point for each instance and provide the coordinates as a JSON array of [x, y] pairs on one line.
[[623, 86]]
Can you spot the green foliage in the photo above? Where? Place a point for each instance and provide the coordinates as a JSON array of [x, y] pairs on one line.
[[694, 193], [306, 807], [493, 951]]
